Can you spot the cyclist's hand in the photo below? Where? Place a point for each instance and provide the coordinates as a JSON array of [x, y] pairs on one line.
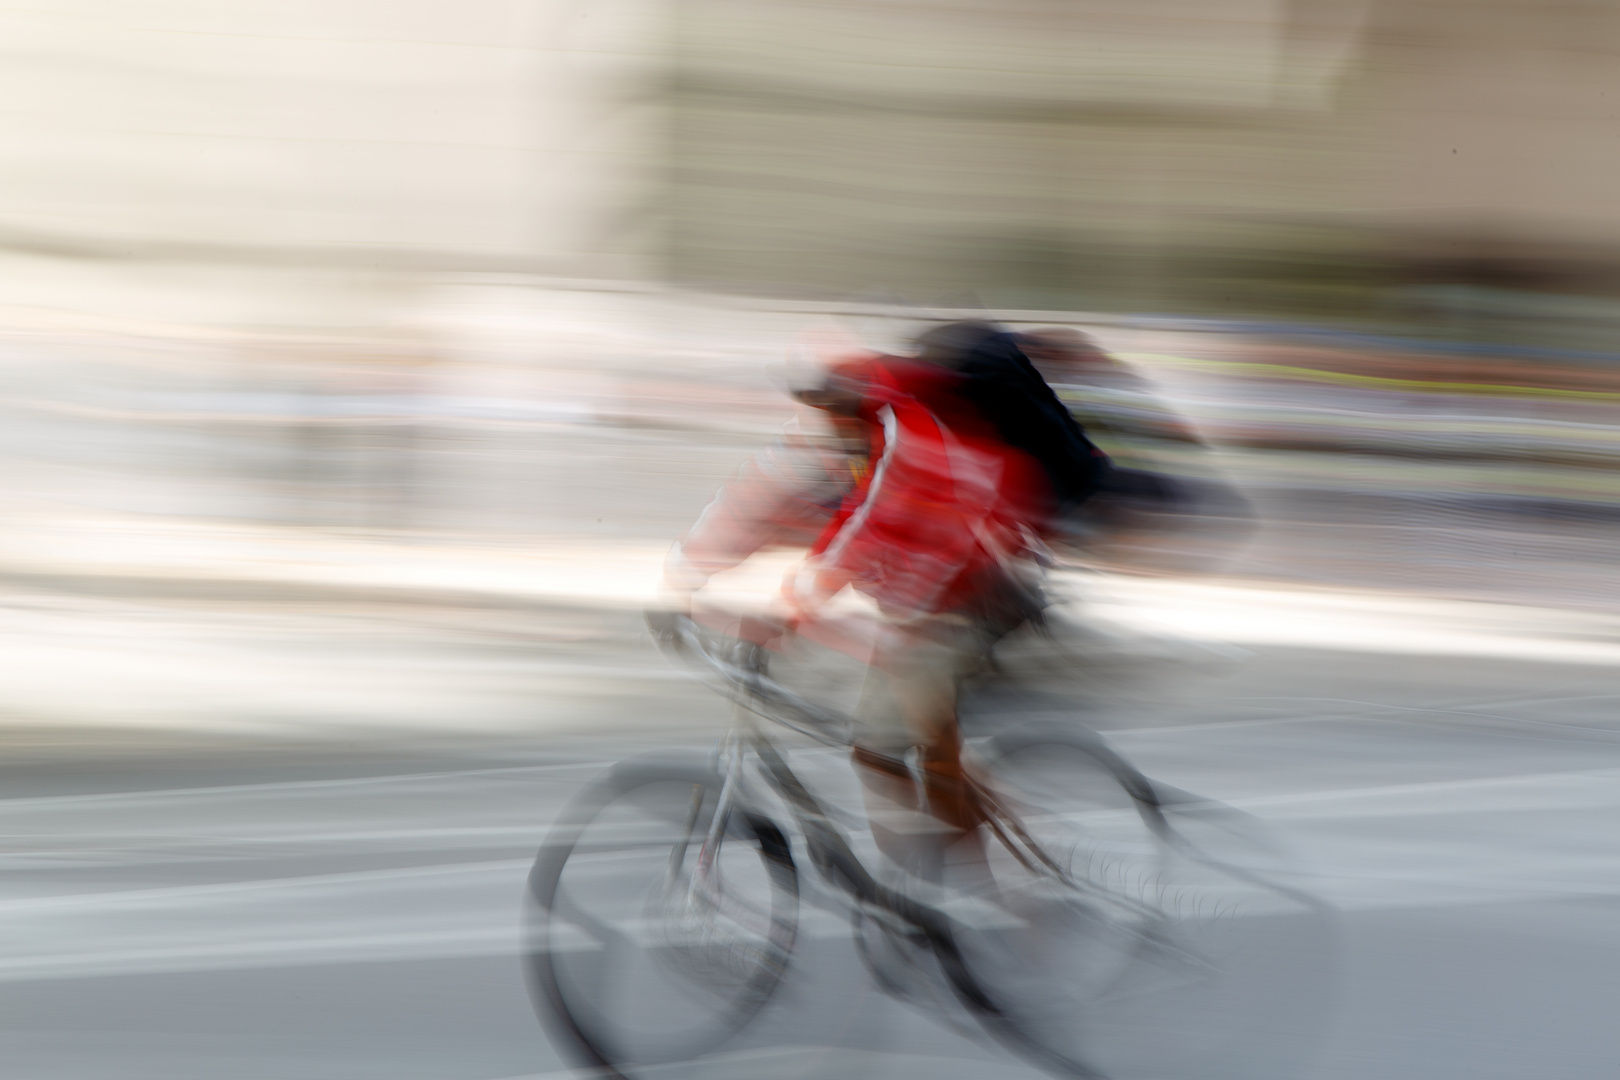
[[809, 587], [666, 625]]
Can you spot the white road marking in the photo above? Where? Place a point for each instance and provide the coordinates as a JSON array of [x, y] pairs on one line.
[[28, 803]]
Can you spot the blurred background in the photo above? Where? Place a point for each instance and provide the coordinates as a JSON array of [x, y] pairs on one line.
[[359, 362]]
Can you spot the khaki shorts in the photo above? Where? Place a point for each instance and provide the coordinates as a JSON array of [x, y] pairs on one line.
[[918, 677]]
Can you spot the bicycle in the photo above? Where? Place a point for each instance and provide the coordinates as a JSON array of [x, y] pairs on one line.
[[664, 905]]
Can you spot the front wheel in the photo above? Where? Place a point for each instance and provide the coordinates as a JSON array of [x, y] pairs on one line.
[[656, 930]]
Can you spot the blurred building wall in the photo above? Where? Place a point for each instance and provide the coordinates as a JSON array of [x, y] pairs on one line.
[[1047, 151], [1298, 155], [302, 159], [1496, 114], [259, 162]]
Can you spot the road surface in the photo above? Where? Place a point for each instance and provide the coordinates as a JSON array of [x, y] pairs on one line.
[[232, 903]]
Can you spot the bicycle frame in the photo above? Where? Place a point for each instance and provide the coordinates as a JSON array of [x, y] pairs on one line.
[[744, 680], [758, 697]]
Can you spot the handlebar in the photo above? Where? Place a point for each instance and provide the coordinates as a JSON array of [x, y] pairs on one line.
[[740, 664]]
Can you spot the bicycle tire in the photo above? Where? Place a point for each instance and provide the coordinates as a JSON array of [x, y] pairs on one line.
[[622, 844], [1205, 956]]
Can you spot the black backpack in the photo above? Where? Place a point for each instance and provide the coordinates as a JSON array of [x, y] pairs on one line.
[[1003, 384]]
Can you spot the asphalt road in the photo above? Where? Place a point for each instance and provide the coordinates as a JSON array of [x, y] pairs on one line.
[[230, 905]]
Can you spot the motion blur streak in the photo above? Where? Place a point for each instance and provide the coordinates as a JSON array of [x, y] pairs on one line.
[[360, 362]]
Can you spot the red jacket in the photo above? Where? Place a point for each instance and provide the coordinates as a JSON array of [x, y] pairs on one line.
[[945, 499]]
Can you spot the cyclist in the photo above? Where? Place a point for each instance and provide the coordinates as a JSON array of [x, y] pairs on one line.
[[973, 459], [932, 490]]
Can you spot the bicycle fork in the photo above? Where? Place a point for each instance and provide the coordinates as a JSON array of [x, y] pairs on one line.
[[705, 889]]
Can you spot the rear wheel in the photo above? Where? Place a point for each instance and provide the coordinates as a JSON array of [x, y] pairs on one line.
[[1143, 934], [656, 932]]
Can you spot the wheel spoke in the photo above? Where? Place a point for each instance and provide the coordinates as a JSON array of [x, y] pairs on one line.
[[645, 958]]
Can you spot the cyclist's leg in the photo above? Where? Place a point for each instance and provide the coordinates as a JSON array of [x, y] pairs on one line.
[[894, 806], [910, 701]]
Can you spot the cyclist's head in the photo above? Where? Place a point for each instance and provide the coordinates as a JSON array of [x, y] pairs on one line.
[[842, 386], [829, 370]]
